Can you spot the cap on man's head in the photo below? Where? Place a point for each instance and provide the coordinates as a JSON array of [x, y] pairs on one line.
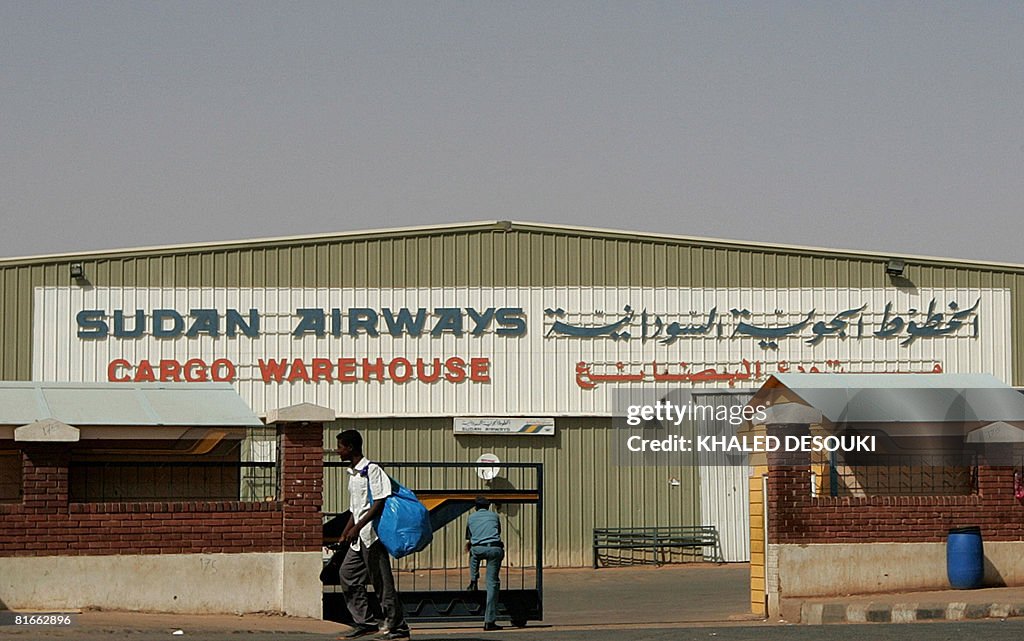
[[482, 502]]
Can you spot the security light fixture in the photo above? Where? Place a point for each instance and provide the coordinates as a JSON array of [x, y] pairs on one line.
[[77, 271], [895, 267]]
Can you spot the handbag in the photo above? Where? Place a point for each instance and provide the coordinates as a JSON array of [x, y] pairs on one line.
[[331, 572]]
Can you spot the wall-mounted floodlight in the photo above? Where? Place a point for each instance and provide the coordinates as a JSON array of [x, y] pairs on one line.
[[895, 267], [77, 271]]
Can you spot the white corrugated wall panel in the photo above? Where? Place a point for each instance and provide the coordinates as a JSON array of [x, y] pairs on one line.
[[536, 373], [724, 501]]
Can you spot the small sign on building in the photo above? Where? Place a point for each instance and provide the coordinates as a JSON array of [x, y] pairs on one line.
[[489, 472], [513, 426]]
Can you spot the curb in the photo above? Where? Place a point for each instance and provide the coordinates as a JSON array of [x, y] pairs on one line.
[[824, 613]]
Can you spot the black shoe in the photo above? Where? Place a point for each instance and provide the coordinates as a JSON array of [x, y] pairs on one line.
[[395, 635], [472, 586], [361, 631], [492, 627]]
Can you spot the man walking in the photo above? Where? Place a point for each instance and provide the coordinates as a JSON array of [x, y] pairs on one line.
[[483, 541], [367, 557]]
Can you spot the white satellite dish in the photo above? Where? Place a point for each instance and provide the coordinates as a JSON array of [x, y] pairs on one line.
[[489, 472]]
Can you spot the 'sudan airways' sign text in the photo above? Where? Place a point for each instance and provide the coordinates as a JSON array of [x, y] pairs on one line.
[[517, 351]]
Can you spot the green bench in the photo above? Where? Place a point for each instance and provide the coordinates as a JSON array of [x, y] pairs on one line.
[[659, 540]]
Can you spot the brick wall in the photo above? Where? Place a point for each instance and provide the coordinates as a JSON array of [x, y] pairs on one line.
[[796, 517], [44, 523]]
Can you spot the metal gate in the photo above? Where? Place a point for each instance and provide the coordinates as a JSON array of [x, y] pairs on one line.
[[431, 583]]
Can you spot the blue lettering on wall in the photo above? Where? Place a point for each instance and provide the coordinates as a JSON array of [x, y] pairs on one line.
[[237, 323], [362, 318], [167, 323], [159, 328], [511, 321], [480, 321], [355, 321], [121, 331], [91, 324], [311, 320], [403, 322], [450, 320], [206, 322], [336, 323]]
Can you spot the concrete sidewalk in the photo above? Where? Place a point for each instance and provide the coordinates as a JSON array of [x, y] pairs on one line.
[[690, 594], [609, 598], [100, 623], [944, 605]]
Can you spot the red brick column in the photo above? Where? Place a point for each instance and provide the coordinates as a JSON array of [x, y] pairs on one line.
[[44, 479], [302, 475], [996, 484], [789, 485]]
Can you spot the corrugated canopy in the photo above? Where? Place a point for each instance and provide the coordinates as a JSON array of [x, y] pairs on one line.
[[903, 398], [116, 404]]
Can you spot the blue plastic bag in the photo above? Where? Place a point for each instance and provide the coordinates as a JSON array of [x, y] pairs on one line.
[[403, 527]]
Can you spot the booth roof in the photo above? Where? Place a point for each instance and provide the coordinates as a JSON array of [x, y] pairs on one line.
[[135, 404], [902, 398]]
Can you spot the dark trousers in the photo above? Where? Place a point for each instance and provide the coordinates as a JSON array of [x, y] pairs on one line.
[[371, 564]]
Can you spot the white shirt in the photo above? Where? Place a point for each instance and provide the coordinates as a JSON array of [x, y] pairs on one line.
[[366, 475]]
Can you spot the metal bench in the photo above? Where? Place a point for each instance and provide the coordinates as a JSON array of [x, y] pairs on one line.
[[659, 540]]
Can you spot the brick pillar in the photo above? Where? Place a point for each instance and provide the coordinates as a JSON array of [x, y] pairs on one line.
[[789, 491], [44, 477], [789, 473], [302, 479], [789, 483], [995, 485], [301, 434]]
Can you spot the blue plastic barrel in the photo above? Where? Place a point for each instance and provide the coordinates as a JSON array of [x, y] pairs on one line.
[[965, 558]]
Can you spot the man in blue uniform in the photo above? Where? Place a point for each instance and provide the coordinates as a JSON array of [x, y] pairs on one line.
[[483, 541]]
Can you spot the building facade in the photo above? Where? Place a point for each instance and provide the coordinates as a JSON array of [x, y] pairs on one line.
[[514, 339]]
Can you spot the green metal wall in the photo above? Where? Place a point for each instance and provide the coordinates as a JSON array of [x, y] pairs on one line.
[[477, 257], [582, 488]]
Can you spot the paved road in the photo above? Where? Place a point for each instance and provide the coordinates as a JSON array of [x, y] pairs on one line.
[[1011, 630], [987, 630]]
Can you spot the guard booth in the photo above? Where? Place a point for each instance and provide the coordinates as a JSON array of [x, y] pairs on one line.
[[431, 583], [166, 497]]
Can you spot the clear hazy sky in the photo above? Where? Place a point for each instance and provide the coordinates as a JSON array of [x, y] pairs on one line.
[[893, 126]]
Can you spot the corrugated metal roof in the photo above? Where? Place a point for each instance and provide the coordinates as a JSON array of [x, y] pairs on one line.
[[504, 225], [903, 398], [108, 404]]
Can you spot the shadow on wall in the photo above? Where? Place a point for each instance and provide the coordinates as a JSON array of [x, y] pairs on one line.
[[993, 579], [903, 283], [498, 484]]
